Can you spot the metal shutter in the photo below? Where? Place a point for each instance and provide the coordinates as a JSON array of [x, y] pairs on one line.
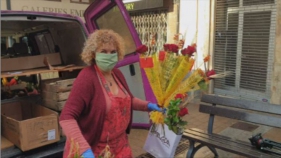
[[244, 44]]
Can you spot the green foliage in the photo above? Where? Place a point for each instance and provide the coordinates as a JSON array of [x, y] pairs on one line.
[[173, 120], [203, 85]]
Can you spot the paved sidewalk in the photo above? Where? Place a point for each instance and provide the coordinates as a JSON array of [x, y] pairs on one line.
[[200, 120]]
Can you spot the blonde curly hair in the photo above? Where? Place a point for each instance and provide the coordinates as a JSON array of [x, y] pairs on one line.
[[97, 39]]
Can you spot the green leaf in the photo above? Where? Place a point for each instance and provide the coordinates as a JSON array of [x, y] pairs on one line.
[[169, 112], [167, 121], [176, 119], [175, 108], [173, 113], [203, 85], [178, 101], [182, 123], [170, 127], [175, 129], [172, 102]]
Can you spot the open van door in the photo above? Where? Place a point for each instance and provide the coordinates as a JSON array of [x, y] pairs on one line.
[[111, 14]]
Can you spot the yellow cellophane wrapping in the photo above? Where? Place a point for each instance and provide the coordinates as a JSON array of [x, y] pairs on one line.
[[168, 66], [184, 67], [188, 84], [154, 79], [157, 117]]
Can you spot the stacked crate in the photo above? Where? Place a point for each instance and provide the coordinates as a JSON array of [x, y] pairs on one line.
[[55, 92]]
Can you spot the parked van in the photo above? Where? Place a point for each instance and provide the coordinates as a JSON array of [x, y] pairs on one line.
[[29, 39]]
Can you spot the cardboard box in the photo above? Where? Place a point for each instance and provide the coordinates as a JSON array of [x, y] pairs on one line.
[[5, 143], [29, 62], [29, 126]]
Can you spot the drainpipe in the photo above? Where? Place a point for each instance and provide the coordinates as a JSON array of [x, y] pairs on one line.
[[8, 2]]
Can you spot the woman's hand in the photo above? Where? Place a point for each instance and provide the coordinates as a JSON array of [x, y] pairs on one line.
[[155, 107], [88, 154]]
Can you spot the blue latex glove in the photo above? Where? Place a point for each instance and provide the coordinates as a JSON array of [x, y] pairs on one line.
[[154, 107], [88, 154]]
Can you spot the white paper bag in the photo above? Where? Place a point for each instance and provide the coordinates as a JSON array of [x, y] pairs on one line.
[[160, 145]]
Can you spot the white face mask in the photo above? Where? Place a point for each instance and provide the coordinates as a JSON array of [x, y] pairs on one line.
[[106, 62]]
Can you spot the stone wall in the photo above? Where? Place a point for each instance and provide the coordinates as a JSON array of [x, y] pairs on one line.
[[276, 77], [172, 20]]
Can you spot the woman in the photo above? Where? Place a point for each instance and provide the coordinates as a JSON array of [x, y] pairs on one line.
[[98, 113]]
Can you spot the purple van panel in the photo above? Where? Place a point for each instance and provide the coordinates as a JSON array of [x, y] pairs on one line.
[[132, 59]]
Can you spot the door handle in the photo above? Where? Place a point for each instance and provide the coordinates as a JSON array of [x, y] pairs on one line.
[[132, 70]]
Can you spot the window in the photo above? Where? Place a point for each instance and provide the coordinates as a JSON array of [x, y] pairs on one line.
[[244, 45], [80, 1], [109, 21], [3, 45]]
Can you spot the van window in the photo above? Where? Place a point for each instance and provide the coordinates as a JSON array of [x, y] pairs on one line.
[[44, 35], [3, 45], [114, 20]]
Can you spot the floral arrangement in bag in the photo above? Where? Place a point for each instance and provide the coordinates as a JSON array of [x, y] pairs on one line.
[[172, 76]]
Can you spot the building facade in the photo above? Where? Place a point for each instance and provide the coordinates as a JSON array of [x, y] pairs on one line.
[[243, 37]]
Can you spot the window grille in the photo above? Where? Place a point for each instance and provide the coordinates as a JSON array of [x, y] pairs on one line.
[[151, 25]]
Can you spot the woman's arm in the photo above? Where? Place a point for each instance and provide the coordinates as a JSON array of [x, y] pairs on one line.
[[139, 104], [79, 98], [73, 132]]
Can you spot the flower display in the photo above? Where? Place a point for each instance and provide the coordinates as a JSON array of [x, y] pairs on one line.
[[171, 75]]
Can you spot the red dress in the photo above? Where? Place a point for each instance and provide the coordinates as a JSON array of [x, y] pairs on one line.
[[116, 122]]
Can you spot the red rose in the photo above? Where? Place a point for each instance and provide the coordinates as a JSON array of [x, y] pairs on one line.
[[166, 47], [179, 96], [142, 49], [210, 73], [189, 50], [174, 48], [183, 112], [171, 47], [184, 51]]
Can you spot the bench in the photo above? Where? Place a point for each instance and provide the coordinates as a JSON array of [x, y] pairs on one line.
[[244, 110]]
